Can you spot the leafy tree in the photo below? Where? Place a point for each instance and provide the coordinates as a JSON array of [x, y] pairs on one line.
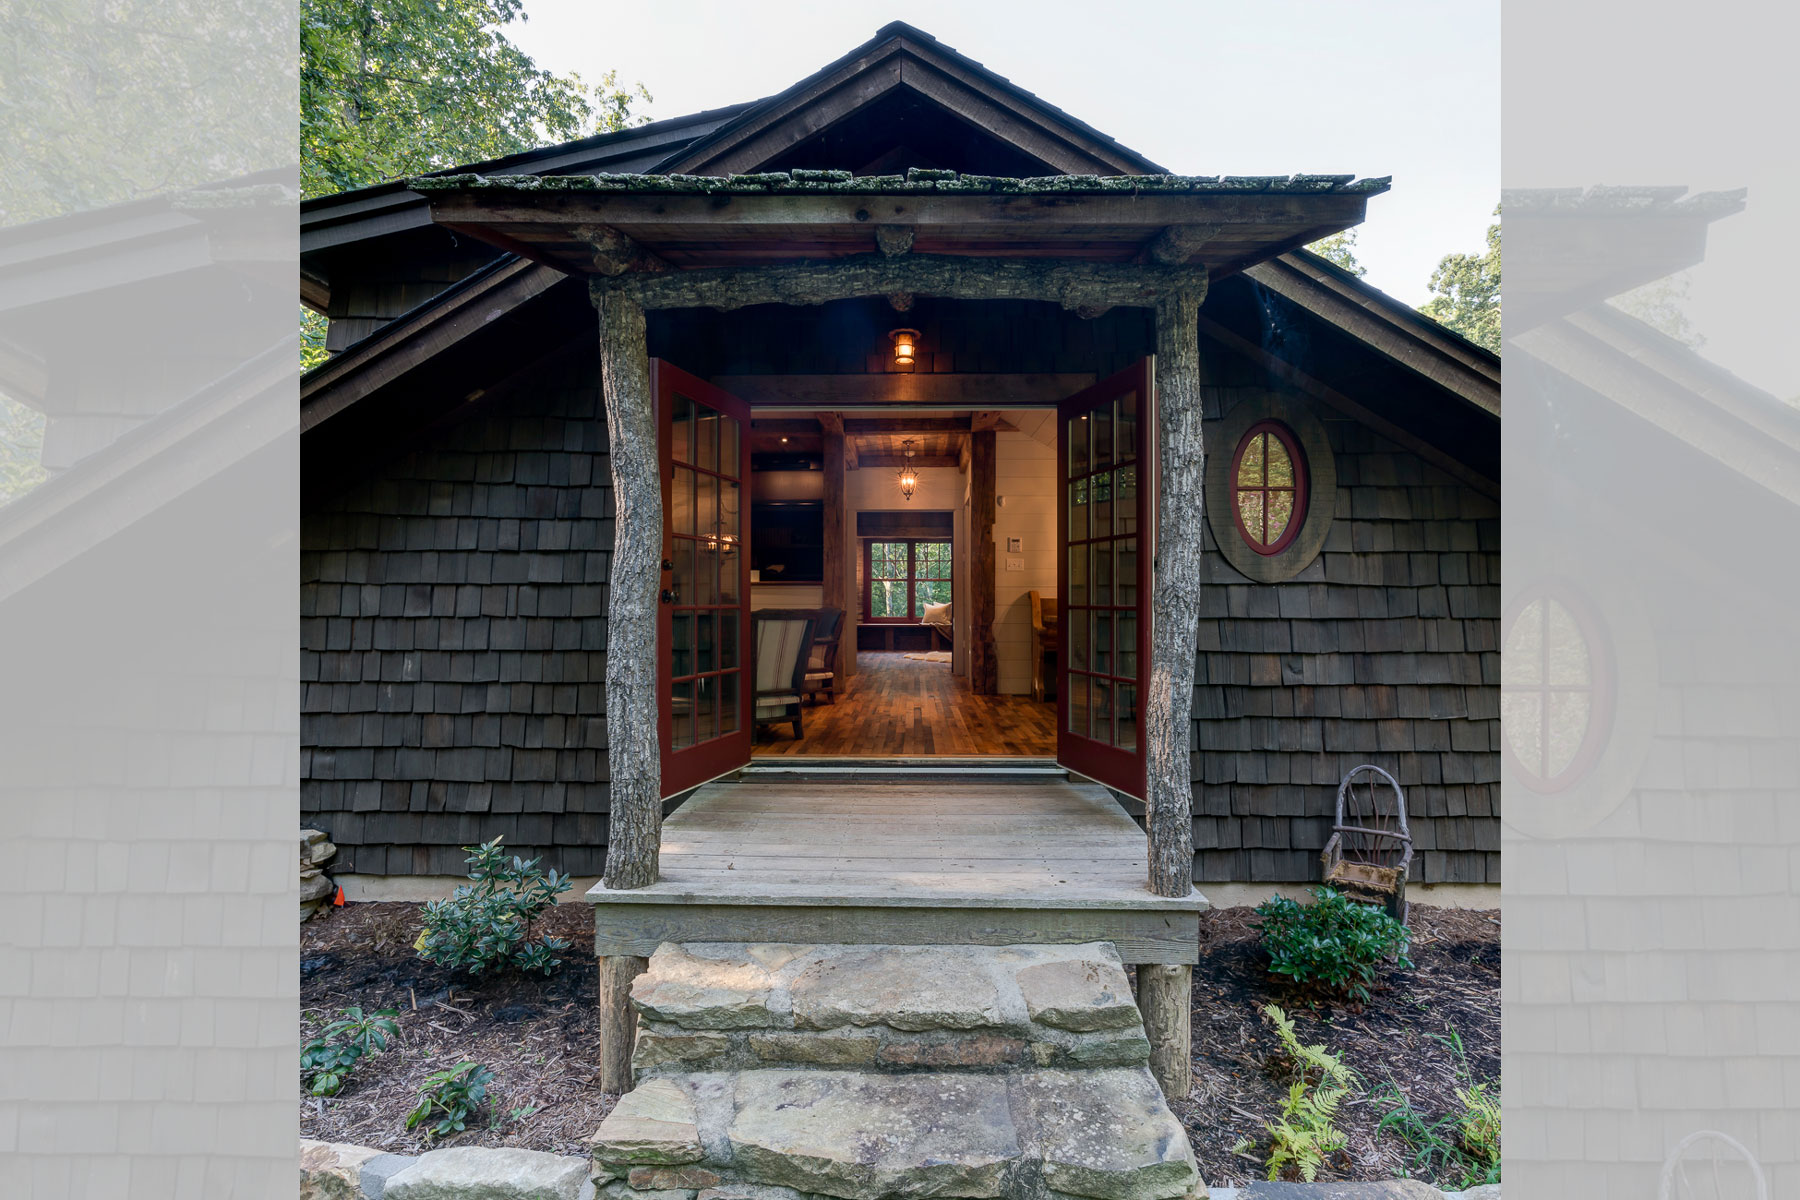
[[1662, 305], [398, 87], [21, 442], [1466, 292], [1340, 248]]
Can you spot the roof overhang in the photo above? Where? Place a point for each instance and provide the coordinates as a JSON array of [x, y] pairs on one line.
[[575, 223]]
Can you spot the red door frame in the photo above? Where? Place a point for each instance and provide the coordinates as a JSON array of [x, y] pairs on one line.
[[694, 765], [1124, 770]]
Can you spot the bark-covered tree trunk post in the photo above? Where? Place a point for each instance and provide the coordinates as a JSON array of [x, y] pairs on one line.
[[1164, 990], [1175, 598], [634, 826]]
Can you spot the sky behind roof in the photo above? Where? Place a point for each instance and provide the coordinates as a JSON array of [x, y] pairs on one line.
[[1410, 90]]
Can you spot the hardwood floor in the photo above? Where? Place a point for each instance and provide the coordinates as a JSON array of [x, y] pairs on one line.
[[897, 706]]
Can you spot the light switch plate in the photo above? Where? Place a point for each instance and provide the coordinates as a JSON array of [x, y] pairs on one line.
[[1015, 563]]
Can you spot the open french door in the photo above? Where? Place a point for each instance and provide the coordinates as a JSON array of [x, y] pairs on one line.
[[703, 623], [1106, 438]]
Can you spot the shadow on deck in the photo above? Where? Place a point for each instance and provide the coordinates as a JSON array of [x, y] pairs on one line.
[[919, 862]]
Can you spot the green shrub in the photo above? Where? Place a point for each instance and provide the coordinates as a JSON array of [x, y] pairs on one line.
[[452, 1096], [487, 924], [1304, 1136], [328, 1059], [1333, 945]]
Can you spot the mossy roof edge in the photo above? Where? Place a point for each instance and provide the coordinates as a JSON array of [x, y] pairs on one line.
[[914, 181]]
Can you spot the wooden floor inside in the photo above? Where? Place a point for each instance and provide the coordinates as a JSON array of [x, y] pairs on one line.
[[895, 706], [910, 862]]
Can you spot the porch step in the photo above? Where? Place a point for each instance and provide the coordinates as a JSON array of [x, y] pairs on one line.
[[885, 1008], [779, 1072], [987, 769]]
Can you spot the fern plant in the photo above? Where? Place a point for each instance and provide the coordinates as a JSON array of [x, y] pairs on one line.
[[1478, 1129], [1304, 1135]]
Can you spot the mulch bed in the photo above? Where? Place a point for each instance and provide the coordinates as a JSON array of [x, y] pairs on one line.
[[536, 1034], [539, 1038], [1401, 1038]]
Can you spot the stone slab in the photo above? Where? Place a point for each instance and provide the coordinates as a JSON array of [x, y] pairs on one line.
[[711, 985], [654, 1124], [378, 1170], [483, 1173], [872, 1137], [1082, 995], [1105, 1133], [912, 988], [332, 1170]]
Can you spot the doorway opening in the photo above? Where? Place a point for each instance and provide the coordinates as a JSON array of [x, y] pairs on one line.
[[895, 670]]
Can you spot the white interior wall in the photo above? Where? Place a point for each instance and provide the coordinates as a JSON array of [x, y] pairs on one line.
[[1026, 496], [941, 489]]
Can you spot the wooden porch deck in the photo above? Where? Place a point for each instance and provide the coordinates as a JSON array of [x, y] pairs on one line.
[[919, 862]]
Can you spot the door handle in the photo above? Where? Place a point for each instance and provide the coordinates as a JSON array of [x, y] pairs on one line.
[[668, 596], [667, 565]]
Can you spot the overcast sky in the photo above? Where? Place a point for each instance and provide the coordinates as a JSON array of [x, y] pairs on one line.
[[1410, 90]]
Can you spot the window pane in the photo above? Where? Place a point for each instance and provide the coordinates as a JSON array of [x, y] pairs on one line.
[[681, 501], [1125, 649], [704, 690], [1125, 571], [1281, 467], [1078, 574], [1281, 510], [1100, 710], [1250, 468], [887, 598], [681, 430], [706, 575], [931, 560], [929, 591], [682, 579], [1567, 646], [1250, 511], [681, 651], [1125, 428], [1078, 510], [1078, 705], [1125, 500], [1522, 658], [887, 560], [731, 570], [1100, 577], [1078, 446], [1078, 640], [706, 439], [1101, 508], [728, 708], [706, 506], [730, 461], [1522, 716], [681, 708], [1103, 437], [728, 640], [1103, 641], [706, 642], [1569, 716], [1125, 716]]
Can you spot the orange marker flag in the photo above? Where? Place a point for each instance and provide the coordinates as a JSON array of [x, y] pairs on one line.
[[337, 901]]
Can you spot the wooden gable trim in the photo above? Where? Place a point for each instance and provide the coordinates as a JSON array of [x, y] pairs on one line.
[[407, 342], [1407, 338], [906, 58]]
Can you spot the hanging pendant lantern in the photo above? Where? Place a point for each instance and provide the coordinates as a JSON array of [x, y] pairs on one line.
[[906, 346], [909, 477]]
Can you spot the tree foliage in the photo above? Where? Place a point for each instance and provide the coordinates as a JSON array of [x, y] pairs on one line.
[[1465, 292], [398, 87], [1662, 305], [21, 442], [1340, 248]]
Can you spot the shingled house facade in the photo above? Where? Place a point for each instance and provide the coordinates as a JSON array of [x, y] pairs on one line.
[[458, 512]]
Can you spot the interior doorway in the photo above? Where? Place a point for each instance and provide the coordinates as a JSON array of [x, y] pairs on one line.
[[891, 519]]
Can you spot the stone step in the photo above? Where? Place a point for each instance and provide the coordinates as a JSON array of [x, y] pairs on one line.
[[1105, 1134], [735, 1006]]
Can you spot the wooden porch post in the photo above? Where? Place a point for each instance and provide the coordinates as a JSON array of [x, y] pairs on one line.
[[1164, 990], [634, 825]]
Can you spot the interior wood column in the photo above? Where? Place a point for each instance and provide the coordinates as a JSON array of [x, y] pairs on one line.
[[835, 592], [1175, 595], [634, 760], [984, 672]]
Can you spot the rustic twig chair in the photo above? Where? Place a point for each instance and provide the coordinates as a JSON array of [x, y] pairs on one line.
[[1370, 847], [783, 639], [1044, 634], [821, 662]]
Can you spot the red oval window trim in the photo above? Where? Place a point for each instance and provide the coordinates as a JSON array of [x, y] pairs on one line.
[[1292, 445]]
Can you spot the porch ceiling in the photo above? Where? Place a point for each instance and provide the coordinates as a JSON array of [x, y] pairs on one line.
[[574, 222]]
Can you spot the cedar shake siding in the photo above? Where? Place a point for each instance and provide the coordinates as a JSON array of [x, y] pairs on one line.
[[452, 636], [453, 617], [1383, 649]]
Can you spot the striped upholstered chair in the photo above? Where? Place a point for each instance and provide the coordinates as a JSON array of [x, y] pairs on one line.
[[821, 660], [784, 637]]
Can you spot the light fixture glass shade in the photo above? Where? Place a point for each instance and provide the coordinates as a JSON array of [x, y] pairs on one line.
[[906, 346], [909, 478]]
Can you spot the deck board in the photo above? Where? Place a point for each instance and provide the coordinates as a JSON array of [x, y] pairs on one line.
[[911, 861]]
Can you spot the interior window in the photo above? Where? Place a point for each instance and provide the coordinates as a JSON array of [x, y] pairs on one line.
[[902, 576]]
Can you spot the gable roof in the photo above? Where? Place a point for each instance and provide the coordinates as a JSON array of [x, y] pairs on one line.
[[902, 58]]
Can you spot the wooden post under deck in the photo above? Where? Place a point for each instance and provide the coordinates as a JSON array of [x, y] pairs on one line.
[[618, 1024]]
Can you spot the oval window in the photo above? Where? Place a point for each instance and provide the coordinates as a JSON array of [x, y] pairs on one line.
[[1555, 691], [1268, 487]]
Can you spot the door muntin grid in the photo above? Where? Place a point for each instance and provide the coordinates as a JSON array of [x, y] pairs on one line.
[[705, 547], [1101, 609]]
